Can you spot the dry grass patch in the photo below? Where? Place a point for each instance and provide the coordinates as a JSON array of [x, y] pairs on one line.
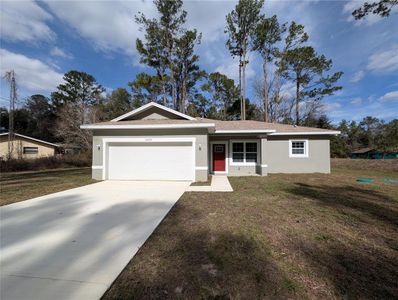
[[283, 236], [19, 186]]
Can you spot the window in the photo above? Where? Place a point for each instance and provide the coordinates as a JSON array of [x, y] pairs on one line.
[[30, 150], [244, 152], [219, 149], [298, 148]]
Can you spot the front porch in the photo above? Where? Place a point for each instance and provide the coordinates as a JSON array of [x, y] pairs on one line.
[[237, 155]]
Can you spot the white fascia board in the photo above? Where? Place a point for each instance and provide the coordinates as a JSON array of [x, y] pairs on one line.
[[149, 105], [246, 131], [30, 138], [153, 126], [307, 133]]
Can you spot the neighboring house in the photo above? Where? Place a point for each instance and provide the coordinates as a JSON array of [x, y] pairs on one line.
[[154, 142], [370, 153], [69, 149], [26, 147]]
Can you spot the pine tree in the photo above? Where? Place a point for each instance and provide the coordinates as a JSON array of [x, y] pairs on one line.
[[266, 36], [306, 68], [241, 25]]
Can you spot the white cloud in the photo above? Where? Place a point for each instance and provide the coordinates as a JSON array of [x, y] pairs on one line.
[[356, 101], [32, 74], [108, 25], [384, 61], [288, 90], [60, 53], [352, 5], [25, 21], [390, 96], [327, 107], [358, 76], [230, 68], [208, 17]]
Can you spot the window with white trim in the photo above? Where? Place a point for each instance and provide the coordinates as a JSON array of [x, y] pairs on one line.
[[244, 152], [298, 148]]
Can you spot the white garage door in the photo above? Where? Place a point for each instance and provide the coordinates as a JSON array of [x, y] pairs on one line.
[[151, 161]]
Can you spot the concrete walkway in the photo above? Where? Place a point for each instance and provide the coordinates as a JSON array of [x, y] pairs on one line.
[[218, 184], [73, 244]]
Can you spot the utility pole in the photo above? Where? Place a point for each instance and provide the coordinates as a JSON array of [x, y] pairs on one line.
[[10, 77]]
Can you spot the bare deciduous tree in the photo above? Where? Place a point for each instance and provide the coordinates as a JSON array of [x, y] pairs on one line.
[[70, 117]]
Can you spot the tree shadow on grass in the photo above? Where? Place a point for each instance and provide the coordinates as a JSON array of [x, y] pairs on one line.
[[356, 273], [369, 202], [357, 270], [186, 262]]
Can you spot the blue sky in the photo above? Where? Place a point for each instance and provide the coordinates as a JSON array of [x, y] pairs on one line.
[[43, 40]]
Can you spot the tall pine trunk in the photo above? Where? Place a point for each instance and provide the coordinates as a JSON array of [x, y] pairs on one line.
[[240, 88], [183, 97], [244, 90], [297, 100], [169, 57], [164, 93], [265, 100], [242, 75]]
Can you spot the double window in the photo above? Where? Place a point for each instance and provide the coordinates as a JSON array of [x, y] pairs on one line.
[[30, 150], [298, 148], [244, 152]]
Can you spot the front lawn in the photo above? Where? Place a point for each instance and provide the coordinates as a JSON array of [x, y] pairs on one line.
[[19, 186], [278, 237]]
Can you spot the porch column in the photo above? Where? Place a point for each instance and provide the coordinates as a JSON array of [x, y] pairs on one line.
[[263, 166]]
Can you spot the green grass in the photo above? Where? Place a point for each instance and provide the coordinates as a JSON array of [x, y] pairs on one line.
[[19, 186], [313, 236]]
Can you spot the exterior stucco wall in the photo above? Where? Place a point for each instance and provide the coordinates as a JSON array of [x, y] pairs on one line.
[[200, 136], [19, 143], [274, 155], [238, 170], [278, 160]]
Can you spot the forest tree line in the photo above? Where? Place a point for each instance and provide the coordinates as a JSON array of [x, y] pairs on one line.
[[176, 80]]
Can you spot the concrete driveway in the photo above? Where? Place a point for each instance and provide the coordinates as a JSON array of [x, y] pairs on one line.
[[73, 244]]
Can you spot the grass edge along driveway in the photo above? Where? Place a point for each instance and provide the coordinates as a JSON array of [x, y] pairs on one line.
[[20, 186]]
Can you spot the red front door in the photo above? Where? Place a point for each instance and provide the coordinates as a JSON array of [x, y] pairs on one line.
[[219, 157]]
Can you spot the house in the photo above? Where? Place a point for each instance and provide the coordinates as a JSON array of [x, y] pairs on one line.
[[154, 142], [25, 147], [370, 153]]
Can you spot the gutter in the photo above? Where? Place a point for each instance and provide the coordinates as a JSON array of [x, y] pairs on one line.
[[153, 126], [307, 133], [245, 131]]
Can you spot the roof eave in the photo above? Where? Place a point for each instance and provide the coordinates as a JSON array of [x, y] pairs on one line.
[[330, 132], [150, 126], [31, 138], [149, 105], [245, 131]]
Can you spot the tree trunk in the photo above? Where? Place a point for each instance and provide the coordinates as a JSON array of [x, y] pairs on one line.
[[183, 96], [173, 96], [244, 90], [240, 88], [297, 100], [265, 92], [164, 93], [243, 84]]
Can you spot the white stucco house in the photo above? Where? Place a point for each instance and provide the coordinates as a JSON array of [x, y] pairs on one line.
[[154, 142]]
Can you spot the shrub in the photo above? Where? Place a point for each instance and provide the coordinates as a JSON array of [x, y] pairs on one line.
[[52, 162]]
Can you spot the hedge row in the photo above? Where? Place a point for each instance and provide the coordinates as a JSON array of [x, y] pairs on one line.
[[53, 162]]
